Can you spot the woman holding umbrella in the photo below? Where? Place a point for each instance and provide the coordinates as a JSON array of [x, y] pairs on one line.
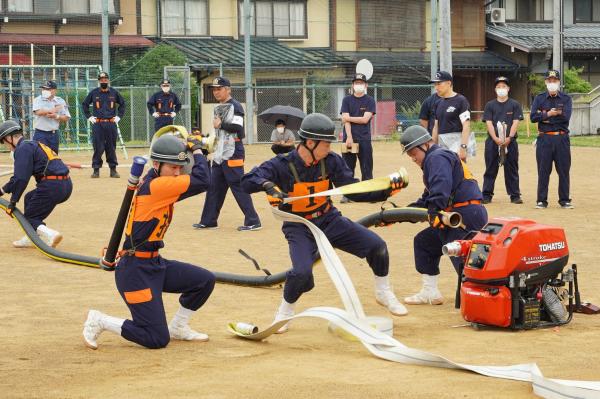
[[283, 139]]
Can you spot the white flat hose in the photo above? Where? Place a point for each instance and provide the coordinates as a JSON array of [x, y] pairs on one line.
[[352, 320]]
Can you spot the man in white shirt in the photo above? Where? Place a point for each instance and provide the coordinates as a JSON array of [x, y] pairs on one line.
[[49, 110]]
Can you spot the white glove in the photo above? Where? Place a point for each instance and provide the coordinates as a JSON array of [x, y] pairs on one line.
[[92, 119], [117, 119], [155, 114], [173, 114]]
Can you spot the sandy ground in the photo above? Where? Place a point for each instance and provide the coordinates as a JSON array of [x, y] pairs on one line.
[[45, 304]]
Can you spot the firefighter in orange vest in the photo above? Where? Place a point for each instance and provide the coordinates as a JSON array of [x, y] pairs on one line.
[[312, 168]]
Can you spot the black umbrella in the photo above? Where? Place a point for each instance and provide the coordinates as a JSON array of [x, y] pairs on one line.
[[292, 116]]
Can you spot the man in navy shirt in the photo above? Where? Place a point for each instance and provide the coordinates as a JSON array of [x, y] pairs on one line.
[[427, 112], [227, 166], [452, 117], [552, 112], [508, 112], [357, 111], [449, 187], [163, 105], [108, 109], [53, 185]]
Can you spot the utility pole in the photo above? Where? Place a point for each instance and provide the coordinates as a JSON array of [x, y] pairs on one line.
[[558, 37], [434, 40], [105, 33], [445, 36], [248, 74]]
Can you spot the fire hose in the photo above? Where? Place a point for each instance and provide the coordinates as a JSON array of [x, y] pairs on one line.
[[353, 321]]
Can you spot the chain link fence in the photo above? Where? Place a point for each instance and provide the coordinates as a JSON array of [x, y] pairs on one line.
[[397, 105]]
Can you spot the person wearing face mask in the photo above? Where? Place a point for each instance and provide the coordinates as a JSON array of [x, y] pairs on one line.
[[311, 168], [108, 109], [552, 112], [49, 110], [452, 127], [142, 275], [163, 105], [357, 111], [53, 184], [449, 187], [507, 111], [283, 139]]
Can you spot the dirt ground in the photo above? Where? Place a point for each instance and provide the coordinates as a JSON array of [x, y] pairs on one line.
[[44, 305]]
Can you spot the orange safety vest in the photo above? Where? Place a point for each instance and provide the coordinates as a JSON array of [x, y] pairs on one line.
[[314, 206]]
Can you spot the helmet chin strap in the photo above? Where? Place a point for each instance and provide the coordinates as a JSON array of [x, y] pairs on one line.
[[314, 161], [160, 164]]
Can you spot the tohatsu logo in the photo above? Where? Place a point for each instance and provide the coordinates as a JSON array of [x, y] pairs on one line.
[[552, 246]]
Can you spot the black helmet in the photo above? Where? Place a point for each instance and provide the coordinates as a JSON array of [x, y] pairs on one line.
[[8, 128], [317, 127], [413, 137], [169, 149]]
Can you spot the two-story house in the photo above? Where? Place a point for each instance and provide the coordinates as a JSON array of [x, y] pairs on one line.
[[526, 36]]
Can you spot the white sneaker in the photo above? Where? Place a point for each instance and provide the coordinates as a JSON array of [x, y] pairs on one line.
[[424, 297], [280, 316], [52, 237], [185, 333], [387, 299], [92, 328], [24, 242]]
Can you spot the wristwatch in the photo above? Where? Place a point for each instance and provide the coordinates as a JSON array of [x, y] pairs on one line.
[[463, 146]]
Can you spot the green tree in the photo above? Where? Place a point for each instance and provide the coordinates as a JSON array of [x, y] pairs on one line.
[[146, 68]]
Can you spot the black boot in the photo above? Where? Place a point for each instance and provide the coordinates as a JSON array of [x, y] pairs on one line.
[[114, 173], [96, 174]]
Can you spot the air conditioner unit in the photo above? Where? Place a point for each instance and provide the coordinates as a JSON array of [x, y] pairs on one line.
[[498, 16]]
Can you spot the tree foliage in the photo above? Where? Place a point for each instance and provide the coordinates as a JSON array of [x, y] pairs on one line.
[[147, 68]]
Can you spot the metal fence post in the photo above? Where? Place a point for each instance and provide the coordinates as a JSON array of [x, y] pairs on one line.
[[375, 96], [147, 120], [314, 98], [131, 108]]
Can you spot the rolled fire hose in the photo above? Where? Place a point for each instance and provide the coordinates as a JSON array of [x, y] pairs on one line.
[[353, 320]]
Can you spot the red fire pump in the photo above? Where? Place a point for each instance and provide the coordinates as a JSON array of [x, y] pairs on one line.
[[514, 275]]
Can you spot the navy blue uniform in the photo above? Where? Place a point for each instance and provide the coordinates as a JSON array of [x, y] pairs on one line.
[[164, 104], [448, 186], [106, 105], [51, 175], [341, 231], [142, 275], [361, 134], [553, 143], [448, 111], [227, 176], [507, 112], [427, 112]]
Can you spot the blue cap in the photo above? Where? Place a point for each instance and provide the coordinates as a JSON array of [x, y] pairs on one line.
[[103, 75], [360, 76], [553, 73], [220, 81], [441, 76], [165, 82], [501, 79], [49, 84]]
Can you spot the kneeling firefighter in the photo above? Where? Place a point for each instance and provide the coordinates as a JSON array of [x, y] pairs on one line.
[[141, 274], [312, 168], [53, 184]]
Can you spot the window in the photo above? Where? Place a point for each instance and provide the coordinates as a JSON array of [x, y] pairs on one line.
[[275, 18], [20, 5], [382, 26], [184, 17], [587, 10], [527, 11], [49, 7]]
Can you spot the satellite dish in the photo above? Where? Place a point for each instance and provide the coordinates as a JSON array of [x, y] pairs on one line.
[[365, 67]]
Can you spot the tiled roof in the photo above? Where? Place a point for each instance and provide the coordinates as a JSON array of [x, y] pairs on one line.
[[265, 53], [537, 37]]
